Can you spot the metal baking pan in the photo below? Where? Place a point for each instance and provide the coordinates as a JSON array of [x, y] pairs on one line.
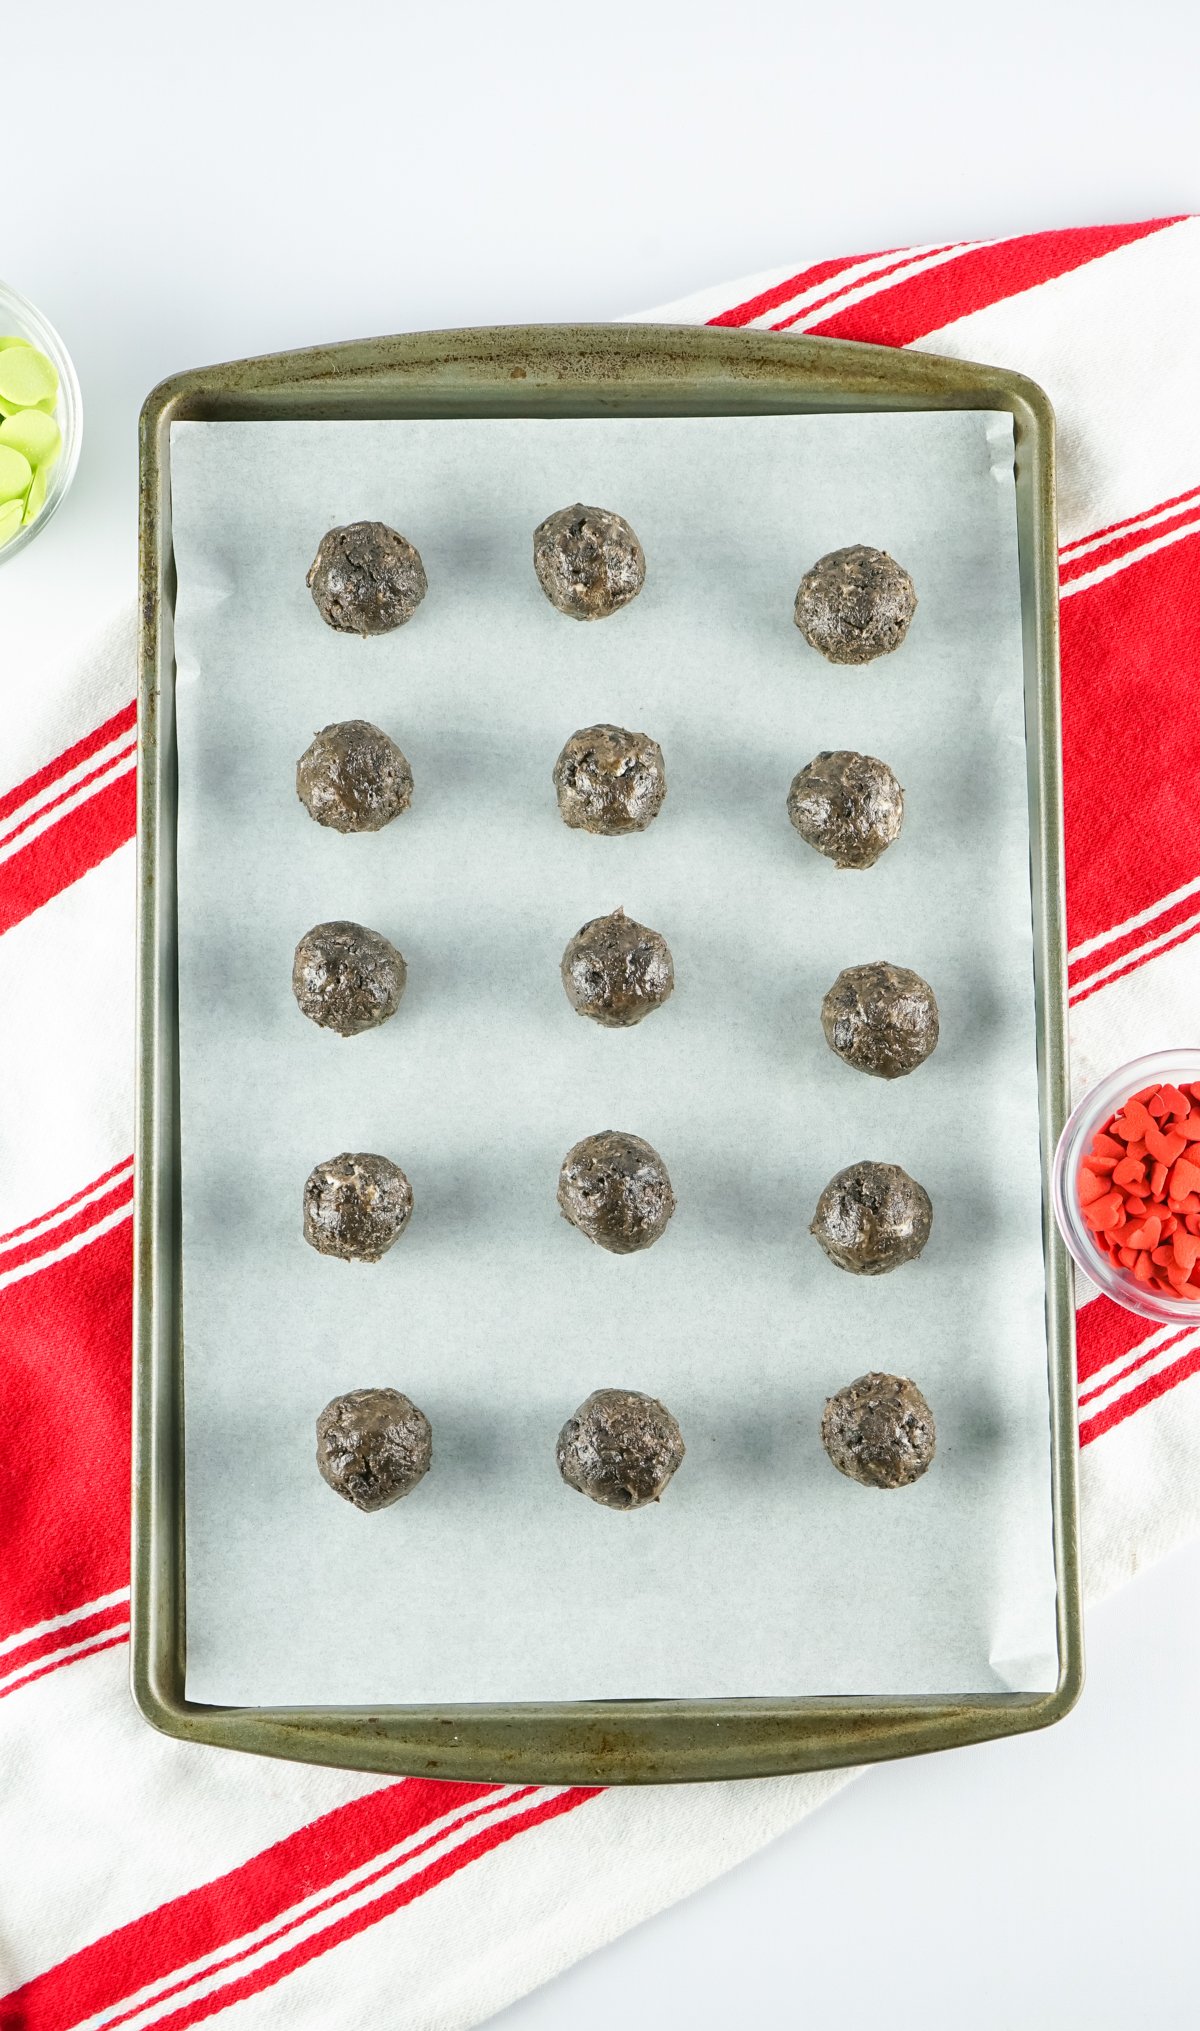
[[570, 370]]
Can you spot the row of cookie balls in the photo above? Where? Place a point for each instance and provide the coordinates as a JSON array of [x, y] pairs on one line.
[[621, 1448], [852, 605], [616, 1190], [610, 781], [880, 1019]]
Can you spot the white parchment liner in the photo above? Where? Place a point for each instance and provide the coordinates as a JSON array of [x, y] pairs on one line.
[[762, 1572]]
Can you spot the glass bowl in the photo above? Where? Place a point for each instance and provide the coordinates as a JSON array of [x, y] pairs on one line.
[[1159, 1069], [20, 319]]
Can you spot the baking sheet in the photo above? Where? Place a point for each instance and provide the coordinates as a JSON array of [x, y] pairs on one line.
[[762, 1572]]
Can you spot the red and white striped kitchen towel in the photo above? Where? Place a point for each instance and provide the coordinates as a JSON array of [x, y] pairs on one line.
[[146, 1883]]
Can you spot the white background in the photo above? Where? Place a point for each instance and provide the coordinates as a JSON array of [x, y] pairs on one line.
[[188, 183]]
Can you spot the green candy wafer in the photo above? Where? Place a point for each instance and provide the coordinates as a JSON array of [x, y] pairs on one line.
[[47, 407], [30, 437], [36, 496], [34, 434], [15, 474], [26, 376]]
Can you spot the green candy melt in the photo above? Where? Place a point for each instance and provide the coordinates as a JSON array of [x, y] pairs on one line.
[[34, 434], [8, 408], [16, 473], [30, 438], [36, 496], [26, 376]]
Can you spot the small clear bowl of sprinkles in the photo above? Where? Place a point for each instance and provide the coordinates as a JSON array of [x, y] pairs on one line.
[[1127, 1185], [41, 422]]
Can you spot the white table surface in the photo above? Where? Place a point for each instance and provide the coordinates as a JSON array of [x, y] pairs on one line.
[[189, 183]]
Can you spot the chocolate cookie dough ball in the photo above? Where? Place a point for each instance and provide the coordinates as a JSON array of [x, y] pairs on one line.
[[879, 1430], [356, 1206], [881, 1019], [353, 777], [610, 781], [620, 1448], [872, 1217], [366, 579], [615, 1189], [855, 605], [347, 978], [617, 971], [849, 806], [588, 561], [373, 1446]]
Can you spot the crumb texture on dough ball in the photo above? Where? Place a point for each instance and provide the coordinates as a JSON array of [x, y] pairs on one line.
[[855, 604], [615, 1189], [609, 780], [880, 1018], [848, 806], [356, 1206], [347, 978], [620, 1448], [617, 971], [871, 1218], [366, 579], [353, 778], [588, 561], [373, 1446], [879, 1431]]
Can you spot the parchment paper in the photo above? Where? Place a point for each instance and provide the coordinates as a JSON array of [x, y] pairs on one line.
[[762, 1572]]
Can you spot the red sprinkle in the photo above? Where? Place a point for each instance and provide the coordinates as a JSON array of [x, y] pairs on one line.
[[1185, 1178], [1139, 1188], [1164, 1148], [1131, 1126], [1105, 1212]]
